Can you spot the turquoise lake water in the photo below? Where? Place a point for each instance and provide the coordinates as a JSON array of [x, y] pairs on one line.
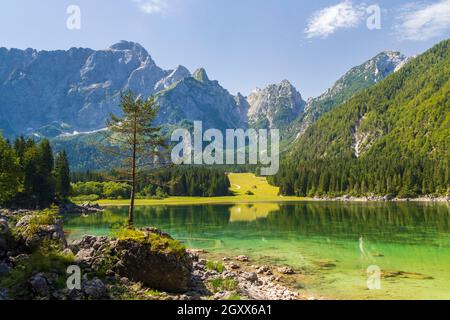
[[410, 237]]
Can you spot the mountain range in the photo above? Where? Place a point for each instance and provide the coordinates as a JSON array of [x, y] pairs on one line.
[[76, 90], [70, 94]]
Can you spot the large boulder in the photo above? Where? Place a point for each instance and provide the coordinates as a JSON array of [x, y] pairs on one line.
[[160, 270], [151, 261], [33, 230]]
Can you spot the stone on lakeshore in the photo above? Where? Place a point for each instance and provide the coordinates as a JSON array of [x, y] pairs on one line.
[[286, 270], [242, 258]]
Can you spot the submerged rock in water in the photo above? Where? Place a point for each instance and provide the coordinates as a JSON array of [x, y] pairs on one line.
[[326, 264], [404, 275]]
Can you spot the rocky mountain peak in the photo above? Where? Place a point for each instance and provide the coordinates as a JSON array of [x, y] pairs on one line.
[[173, 77], [387, 62], [127, 45], [276, 105], [200, 75]]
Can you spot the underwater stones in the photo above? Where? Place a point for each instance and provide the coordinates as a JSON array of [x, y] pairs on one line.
[[326, 264], [377, 254], [389, 274]]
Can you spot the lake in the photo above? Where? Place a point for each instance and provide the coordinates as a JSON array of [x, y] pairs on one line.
[[334, 242]]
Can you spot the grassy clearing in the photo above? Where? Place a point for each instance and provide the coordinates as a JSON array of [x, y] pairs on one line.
[[241, 184]]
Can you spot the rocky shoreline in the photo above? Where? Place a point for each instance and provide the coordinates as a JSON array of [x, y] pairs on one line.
[[144, 264], [386, 198]]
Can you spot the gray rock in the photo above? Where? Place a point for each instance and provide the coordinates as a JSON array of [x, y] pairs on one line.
[[4, 227], [243, 258], [264, 270], [32, 238], [39, 285], [4, 269], [134, 260], [94, 289], [250, 276], [286, 270], [232, 266], [4, 294], [267, 105]]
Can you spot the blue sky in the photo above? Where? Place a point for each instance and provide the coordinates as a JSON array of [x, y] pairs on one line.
[[242, 43]]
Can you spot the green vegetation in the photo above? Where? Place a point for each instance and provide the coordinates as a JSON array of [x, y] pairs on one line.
[[46, 260], [215, 266], [234, 297], [91, 191], [28, 176], [41, 218], [157, 184], [62, 176], [221, 284], [156, 242], [389, 139], [9, 172], [135, 140]]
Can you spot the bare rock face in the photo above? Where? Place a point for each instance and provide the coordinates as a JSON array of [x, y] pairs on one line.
[[275, 106]]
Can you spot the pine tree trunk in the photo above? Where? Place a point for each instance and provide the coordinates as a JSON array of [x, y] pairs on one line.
[[133, 178]]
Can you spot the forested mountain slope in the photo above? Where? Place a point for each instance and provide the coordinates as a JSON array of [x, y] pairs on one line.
[[390, 139]]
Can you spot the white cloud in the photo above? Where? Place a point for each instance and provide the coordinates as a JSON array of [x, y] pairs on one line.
[[151, 6], [423, 22], [328, 20]]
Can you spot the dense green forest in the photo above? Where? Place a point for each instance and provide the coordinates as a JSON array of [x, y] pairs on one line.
[[30, 176], [389, 139], [159, 183]]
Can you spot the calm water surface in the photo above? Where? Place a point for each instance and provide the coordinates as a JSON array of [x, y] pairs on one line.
[[408, 237]]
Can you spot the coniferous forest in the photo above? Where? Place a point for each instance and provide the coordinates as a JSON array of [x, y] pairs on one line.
[[31, 176], [390, 139]]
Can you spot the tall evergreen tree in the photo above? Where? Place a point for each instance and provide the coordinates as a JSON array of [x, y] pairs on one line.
[[135, 140], [9, 172], [62, 175]]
